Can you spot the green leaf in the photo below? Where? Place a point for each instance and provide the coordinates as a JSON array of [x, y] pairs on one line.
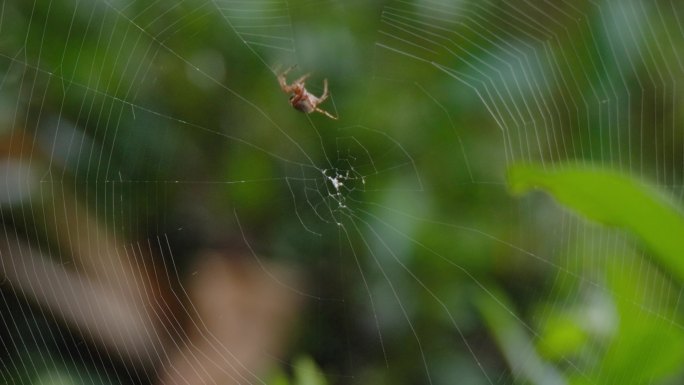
[[562, 336], [279, 378], [612, 199], [648, 348], [307, 373]]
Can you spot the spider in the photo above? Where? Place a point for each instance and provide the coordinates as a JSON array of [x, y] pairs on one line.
[[300, 98]]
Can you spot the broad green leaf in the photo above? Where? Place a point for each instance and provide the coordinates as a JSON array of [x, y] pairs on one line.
[[561, 337], [648, 348], [612, 199], [279, 378], [307, 373]]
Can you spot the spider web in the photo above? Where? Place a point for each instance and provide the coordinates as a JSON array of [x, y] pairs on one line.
[[139, 135]]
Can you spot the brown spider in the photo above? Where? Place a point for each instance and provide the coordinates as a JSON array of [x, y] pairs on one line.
[[300, 98]]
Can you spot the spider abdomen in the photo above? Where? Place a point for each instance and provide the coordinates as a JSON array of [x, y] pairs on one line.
[[303, 103]]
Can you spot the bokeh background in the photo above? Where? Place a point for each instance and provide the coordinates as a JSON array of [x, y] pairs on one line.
[[168, 218]]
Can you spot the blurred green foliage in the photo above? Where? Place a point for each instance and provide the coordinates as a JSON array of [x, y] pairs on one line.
[[165, 122], [645, 348], [305, 372]]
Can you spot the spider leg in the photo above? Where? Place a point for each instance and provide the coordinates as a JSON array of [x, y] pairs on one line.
[[325, 94], [287, 71], [282, 80], [326, 113], [283, 84], [302, 79], [288, 89]]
